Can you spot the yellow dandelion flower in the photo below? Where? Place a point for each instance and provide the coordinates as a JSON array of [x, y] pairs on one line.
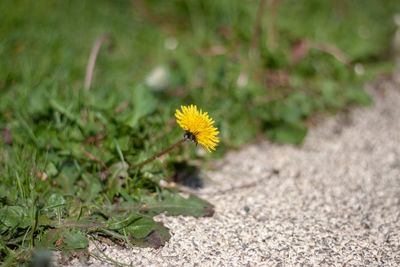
[[198, 127]]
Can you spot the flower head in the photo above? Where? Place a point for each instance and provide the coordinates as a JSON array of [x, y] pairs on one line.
[[198, 127]]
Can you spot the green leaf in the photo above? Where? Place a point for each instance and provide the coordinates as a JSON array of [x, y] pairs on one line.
[[67, 177], [174, 204], [95, 187], [74, 239], [137, 225], [123, 143], [291, 113], [14, 216], [55, 205], [56, 200], [358, 96], [142, 231], [71, 116], [148, 233], [144, 103], [331, 95], [51, 169], [287, 132]]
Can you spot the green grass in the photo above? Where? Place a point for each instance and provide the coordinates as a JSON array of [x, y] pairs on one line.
[[65, 151]]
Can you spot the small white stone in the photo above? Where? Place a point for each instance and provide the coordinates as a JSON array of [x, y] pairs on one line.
[[158, 78], [359, 69], [243, 79], [171, 43]]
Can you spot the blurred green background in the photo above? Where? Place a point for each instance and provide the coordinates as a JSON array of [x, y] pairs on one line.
[[181, 52], [261, 69]]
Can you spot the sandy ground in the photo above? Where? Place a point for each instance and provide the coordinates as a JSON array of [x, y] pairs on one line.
[[333, 201]]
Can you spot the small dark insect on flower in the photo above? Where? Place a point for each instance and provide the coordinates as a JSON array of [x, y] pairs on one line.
[[189, 136]]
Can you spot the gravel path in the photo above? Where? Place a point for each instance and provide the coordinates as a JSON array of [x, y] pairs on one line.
[[333, 201]]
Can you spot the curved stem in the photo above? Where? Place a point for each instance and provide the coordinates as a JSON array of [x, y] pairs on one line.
[[158, 155], [92, 60]]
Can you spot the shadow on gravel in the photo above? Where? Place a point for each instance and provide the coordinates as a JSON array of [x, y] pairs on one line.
[[187, 175]]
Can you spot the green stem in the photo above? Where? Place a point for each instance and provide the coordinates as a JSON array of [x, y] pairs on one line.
[[158, 155]]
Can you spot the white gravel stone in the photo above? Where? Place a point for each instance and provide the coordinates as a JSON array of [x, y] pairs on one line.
[[335, 201]]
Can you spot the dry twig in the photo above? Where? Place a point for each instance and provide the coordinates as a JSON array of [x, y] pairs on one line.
[[331, 49], [95, 159], [300, 49]]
